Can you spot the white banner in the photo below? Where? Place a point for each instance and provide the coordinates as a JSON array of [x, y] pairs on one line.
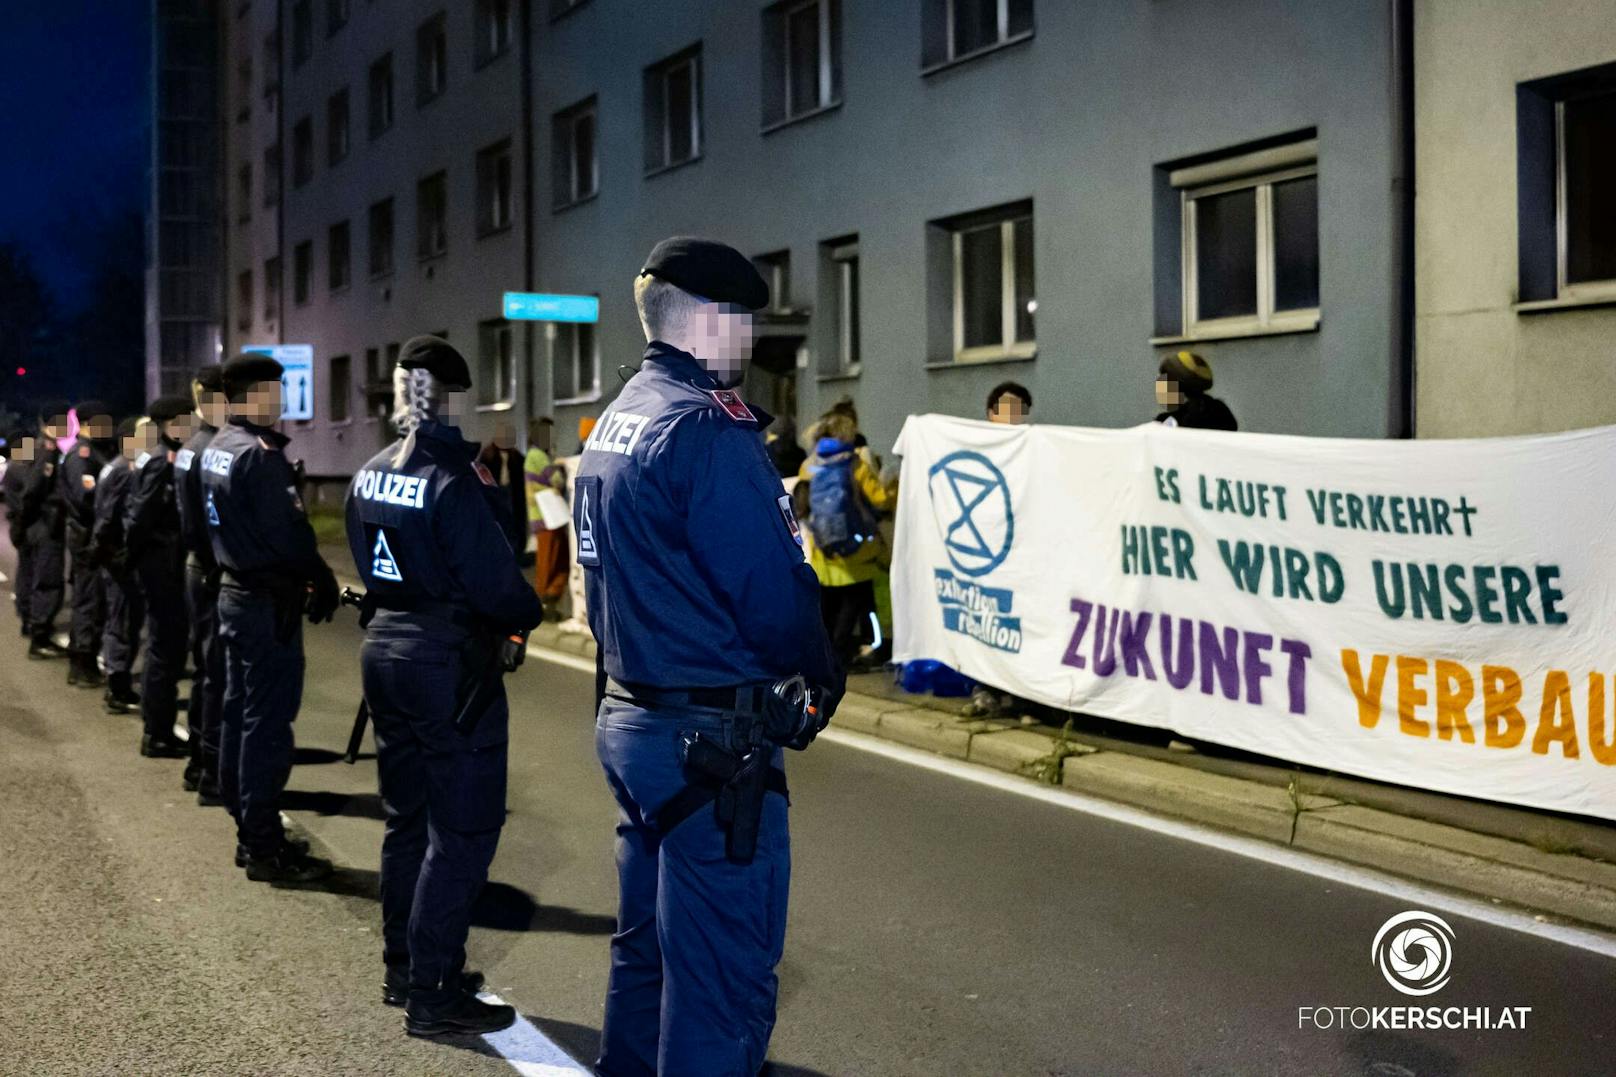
[[1432, 613]]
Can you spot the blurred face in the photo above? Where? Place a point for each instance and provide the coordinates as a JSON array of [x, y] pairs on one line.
[[55, 427], [504, 437], [97, 428], [1009, 409], [213, 407], [26, 449], [540, 436], [720, 336], [180, 427], [453, 404], [144, 439], [1167, 393], [263, 403]]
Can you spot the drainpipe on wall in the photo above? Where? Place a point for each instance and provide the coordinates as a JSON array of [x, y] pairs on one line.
[[533, 401], [280, 172], [1401, 418]]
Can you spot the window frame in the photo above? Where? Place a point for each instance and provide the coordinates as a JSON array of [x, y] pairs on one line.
[[827, 97], [346, 383], [428, 90], [332, 127], [303, 282], [487, 49], [1008, 347], [272, 287], [303, 152], [1565, 289], [337, 14], [487, 178], [345, 229], [392, 238], [423, 255], [1266, 319], [661, 72], [381, 103], [849, 350], [951, 53], [245, 300], [244, 192], [555, 333], [564, 136], [302, 32], [497, 329]]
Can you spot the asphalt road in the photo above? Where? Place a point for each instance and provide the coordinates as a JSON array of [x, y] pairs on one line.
[[937, 926]]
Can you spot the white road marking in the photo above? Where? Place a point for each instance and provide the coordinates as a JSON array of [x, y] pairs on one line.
[[1251, 848], [529, 1051]]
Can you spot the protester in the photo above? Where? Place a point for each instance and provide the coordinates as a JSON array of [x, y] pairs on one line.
[[550, 553], [1010, 403], [781, 443], [21, 461], [1183, 387], [504, 464]]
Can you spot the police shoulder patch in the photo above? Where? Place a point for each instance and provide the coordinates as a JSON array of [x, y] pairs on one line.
[[730, 402], [790, 518], [482, 472]]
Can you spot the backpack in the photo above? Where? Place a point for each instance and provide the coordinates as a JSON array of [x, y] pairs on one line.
[[838, 516]]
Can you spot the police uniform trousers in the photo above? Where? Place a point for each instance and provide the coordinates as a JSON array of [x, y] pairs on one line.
[[263, 655], [207, 658], [160, 571], [444, 792], [692, 987], [48, 583], [126, 613], [89, 604], [22, 588]]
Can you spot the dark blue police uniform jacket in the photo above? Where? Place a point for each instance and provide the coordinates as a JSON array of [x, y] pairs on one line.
[[259, 529], [693, 560], [188, 497]]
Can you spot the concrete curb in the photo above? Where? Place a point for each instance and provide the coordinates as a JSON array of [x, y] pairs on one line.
[[1562, 885]]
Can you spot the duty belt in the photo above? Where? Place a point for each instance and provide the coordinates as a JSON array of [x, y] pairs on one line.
[[456, 615], [744, 699]]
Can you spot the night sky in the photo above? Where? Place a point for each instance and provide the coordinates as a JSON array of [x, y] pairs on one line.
[[74, 120]]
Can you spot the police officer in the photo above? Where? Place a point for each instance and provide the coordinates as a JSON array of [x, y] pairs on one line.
[[45, 517], [151, 525], [80, 472], [202, 589], [702, 606], [21, 461], [126, 606], [427, 526], [272, 576]]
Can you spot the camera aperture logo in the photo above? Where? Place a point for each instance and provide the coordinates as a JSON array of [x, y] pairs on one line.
[[1414, 952]]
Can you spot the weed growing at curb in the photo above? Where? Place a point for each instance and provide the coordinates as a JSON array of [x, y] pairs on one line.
[[1047, 768]]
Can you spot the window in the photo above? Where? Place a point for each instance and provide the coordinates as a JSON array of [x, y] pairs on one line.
[[302, 271], [381, 95], [574, 363], [955, 29], [431, 59], [244, 75], [341, 390], [272, 174], [244, 193], [775, 269], [1586, 135], [432, 215], [302, 31], [1250, 241], [494, 188], [573, 154], [993, 293], [338, 256], [840, 266], [336, 16], [244, 301], [336, 127], [802, 60], [673, 111], [303, 151], [495, 29], [381, 238], [272, 63], [496, 359], [272, 289], [378, 385]]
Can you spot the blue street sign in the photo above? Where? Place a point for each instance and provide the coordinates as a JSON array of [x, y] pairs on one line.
[[534, 307], [297, 378]]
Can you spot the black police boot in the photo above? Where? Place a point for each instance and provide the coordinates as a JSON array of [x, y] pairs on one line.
[[396, 987], [287, 864], [45, 647], [207, 791], [453, 1013], [83, 673], [120, 697], [27, 630], [192, 777], [299, 844], [161, 747]]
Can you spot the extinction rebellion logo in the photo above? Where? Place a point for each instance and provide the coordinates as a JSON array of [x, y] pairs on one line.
[[971, 502], [1414, 952]]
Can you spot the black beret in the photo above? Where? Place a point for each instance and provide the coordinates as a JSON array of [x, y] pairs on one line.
[[248, 369], [711, 270], [211, 378], [88, 409], [50, 409], [1192, 372], [126, 429], [437, 357], [168, 408]]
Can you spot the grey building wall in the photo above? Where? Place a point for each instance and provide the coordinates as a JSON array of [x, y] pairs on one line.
[[1490, 364], [454, 292], [1078, 119]]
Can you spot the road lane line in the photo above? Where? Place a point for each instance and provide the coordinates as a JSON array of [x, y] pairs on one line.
[[529, 1051], [1251, 848]]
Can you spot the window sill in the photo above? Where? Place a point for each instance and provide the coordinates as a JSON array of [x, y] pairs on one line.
[[374, 135], [340, 291], [334, 162], [592, 398], [492, 58], [485, 233], [664, 169], [986, 360], [423, 102], [568, 10], [503, 405], [850, 374], [986, 50], [428, 259], [1566, 302], [801, 117], [1244, 331], [562, 207], [383, 275], [339, 424]]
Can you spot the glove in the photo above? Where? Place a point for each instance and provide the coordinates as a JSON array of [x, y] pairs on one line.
[[512, 651], [324, 598], [819, 717]]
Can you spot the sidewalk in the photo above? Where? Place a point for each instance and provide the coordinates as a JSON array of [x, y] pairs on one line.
[[1561, 867]]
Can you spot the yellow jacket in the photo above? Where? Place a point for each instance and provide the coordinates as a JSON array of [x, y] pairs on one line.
[[874, 557]]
